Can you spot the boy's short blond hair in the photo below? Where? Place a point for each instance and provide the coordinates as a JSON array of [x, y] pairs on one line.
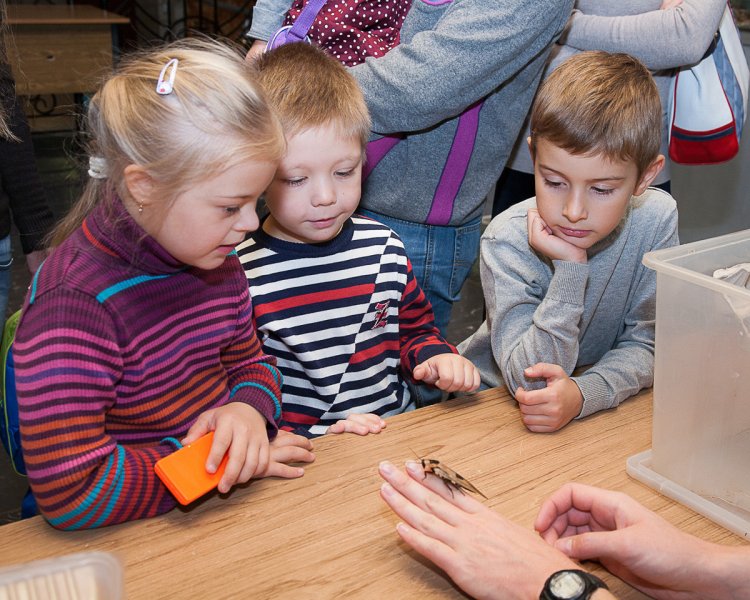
[[308, 89], [600, 103]]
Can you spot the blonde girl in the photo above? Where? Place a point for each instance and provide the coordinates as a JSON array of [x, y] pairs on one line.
[[136, 335]]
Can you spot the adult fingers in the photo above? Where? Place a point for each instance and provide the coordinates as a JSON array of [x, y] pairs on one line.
[[593, 545], [435, 550], [439, 486], [577, 508], [416, 489], [418, 517]]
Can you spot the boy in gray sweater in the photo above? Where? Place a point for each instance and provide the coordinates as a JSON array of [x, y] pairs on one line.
[[562, 275]]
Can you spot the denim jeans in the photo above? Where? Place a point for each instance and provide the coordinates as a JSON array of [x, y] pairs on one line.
[[6, 259], [441, 258]]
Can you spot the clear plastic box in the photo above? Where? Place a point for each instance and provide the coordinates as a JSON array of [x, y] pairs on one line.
[[89, 575], [700, 452]]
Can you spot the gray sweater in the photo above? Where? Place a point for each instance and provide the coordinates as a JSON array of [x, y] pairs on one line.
[[662, 39], [451, 55], [570, 314]]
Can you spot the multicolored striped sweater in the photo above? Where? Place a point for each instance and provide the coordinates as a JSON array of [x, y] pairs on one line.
[[346, 320], [120, 348]]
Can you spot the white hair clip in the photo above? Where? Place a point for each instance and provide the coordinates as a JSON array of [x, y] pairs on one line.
[[98, 167], [165, 85]]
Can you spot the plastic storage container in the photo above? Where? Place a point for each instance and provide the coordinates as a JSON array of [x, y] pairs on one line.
[[700, 452], [89, 575]]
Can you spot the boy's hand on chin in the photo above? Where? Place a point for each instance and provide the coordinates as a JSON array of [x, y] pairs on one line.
[[543, 240]]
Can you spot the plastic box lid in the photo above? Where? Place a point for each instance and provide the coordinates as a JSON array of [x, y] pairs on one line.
[[87, 575]]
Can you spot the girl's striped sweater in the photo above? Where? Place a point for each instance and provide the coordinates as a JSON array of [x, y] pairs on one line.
[[120, 348]]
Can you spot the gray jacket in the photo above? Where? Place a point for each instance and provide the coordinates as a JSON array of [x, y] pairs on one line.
[[451, 55], [601, 313]]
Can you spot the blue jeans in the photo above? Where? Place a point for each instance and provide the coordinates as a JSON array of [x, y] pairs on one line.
[[6, 259], [441, 257]]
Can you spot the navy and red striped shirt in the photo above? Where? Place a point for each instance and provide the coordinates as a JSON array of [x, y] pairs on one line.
[[346, 320]]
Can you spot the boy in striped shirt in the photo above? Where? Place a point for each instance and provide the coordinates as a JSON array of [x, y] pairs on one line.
[[334, 296]]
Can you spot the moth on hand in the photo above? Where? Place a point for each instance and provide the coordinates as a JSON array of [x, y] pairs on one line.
[[452, 479]]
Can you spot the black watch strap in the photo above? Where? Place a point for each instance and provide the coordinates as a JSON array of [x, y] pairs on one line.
[[571, 584]]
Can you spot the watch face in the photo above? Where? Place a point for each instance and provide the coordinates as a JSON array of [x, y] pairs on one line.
[[567, 584]]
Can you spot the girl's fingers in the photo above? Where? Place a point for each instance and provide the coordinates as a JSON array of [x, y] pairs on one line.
[[287, 454], [200, 428], [278, 469], [219, 446]]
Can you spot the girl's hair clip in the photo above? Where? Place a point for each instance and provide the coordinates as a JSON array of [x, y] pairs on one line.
[[98, 167], [165, 85]]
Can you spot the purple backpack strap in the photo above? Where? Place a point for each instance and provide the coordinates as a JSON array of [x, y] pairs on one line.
[[376, 151], [454, 169], [464, 139], [455, 166], [297, 32]]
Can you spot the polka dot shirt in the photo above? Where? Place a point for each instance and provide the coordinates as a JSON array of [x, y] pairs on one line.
[[352, 30]]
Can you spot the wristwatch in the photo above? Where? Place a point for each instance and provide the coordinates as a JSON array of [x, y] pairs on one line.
[[571, 584]]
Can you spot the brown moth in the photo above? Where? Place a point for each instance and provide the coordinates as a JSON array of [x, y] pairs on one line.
[[452, 479]]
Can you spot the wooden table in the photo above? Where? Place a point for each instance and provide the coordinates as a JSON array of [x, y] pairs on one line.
[[329, 535], [60, 49]]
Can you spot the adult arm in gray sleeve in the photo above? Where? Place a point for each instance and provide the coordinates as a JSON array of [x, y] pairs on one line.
[[460, 53], [528, 325], [268, 17], [629, 366], [661, 39]]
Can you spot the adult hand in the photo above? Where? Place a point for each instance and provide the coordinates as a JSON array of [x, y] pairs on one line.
[[542, 239], [552, 407], [487, 555], [361, 424], [287, 448], [448, 372], [667, 4], [638, 546]]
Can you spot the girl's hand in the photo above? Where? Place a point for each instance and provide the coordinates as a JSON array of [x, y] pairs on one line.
[[543, 240], [448, 372], [359, 424], [289, 448], [239, 429], [667, 4]]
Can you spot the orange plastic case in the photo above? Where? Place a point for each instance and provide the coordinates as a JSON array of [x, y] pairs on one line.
[[184, 471]]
